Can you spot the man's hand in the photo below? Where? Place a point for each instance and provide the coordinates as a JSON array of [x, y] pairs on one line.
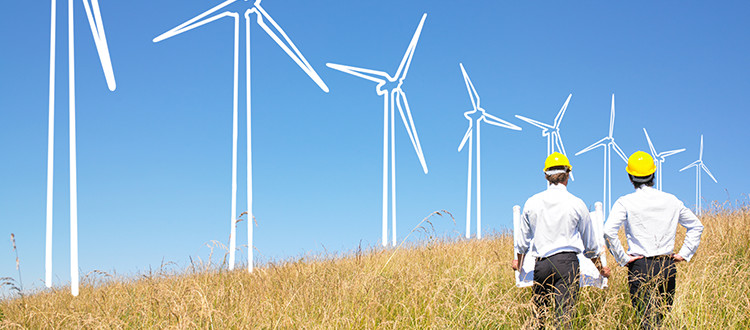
[[514, 264], [604, 271], [633, 258], [677, 258]]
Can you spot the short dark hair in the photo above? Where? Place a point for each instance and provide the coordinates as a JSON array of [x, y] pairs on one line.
[[639, 181], [559, 177]]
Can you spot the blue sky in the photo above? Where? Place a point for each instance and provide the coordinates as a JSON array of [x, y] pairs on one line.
[[154, 157]]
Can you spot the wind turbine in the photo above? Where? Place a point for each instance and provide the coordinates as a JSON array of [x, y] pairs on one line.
[[659, 158], [609, 144], [698, 166], [232, 9], [100, 40], [393, 96], [476, 115], [552, 132]]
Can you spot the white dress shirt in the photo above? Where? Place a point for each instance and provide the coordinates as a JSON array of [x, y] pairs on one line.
[[651, 217], [558, 222]]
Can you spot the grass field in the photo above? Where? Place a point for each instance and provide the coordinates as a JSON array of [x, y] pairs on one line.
[[441, 283]]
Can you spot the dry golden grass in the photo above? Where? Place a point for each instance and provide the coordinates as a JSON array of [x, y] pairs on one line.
[[442, 283]]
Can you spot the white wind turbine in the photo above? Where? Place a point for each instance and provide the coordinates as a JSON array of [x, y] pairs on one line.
[[245, 8], [552, 132], [659, 159], [608, 143], [476, 115], [100, 40], [698, 167], [393, 96]]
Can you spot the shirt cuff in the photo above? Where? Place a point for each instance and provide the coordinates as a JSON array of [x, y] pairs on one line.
[[591, 254], [687, 255], [623, 260]]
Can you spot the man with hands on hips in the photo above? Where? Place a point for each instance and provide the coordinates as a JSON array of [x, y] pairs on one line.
[[650, 218]]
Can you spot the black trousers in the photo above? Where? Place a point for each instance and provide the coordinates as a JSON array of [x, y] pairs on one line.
[[652, 287], [556, 278]]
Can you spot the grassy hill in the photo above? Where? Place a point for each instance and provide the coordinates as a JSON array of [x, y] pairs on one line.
[[442, 283]]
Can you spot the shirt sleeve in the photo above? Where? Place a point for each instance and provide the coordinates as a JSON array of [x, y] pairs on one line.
[[692, 235], [617, 216], [588, 234], [523, 240]]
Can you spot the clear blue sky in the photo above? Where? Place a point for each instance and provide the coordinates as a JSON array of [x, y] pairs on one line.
[[154, 156]]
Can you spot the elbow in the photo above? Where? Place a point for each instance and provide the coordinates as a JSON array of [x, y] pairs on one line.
[[520, 249]]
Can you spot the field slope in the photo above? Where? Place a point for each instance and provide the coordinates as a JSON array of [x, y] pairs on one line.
[[443, 283]]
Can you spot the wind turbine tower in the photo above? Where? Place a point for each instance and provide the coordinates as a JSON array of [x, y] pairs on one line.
[[659, 158], [234, 9], [552, 132], [100, 40], [476, 116], [389, 87], [609, 144], [699, 165]]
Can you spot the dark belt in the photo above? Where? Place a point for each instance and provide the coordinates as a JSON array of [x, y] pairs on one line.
[[556, 254], [659, 257]]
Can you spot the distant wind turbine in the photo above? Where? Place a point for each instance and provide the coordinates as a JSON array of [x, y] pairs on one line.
[[390, 86], [659, 159], [100, 40], [608, 143], [476, 115], [233, 9], [552, 132], [699, 165]]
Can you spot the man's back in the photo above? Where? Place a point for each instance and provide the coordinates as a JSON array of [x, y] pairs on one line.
[[559, 222], [651, 218]]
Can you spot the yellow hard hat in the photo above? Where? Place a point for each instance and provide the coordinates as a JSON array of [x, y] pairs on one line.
[[556, 159], [640, 164]]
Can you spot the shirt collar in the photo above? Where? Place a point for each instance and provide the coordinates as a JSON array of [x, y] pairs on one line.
[[558, 186], [644, 188]]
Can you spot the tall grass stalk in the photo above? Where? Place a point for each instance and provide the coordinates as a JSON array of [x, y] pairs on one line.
[[18, 263]]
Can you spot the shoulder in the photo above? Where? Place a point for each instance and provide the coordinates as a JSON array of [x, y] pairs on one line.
[[577, 202], [668, 196], [625, 199], [534, 200]]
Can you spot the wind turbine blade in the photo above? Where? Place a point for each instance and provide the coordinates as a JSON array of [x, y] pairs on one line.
[[559, 143], [695, 163], [195, 21], [490, 119], [467, 135], [535, 122], [561, 147], [560, 114], [612, 117], [100, 40], [701, 154], [470, 88], [671, 152], [403, 118], [650, 145], [619, 151], [703, 166], [596, 144], [286, 44], [403, 68], [409, 125], [371, 75]]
